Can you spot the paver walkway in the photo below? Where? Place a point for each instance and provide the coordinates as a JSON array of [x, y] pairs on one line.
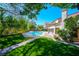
[[5, 50]]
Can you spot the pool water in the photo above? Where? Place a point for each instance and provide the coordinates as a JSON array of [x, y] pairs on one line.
[[33, 33]]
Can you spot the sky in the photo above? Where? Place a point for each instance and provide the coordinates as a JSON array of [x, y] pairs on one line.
[[51, 13]]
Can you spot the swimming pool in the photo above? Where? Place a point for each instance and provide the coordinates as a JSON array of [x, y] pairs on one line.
[[33, 33]]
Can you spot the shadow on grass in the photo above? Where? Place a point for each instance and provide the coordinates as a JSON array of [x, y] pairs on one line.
[[11, 40], [45, 47]]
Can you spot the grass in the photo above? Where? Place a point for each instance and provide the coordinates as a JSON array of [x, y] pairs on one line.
[[45, 47], [11, 40]]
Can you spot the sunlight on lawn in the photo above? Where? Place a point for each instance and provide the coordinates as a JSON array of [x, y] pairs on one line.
[[45, 47]]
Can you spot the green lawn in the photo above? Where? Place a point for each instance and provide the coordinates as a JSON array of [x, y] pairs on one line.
[[44, 47], [11, 40]]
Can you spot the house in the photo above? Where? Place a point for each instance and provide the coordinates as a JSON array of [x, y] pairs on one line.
[[59, 23]]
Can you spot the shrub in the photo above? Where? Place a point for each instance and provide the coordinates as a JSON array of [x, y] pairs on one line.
[[64, 34]]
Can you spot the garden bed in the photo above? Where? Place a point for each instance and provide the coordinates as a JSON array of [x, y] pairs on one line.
[[45, 47]]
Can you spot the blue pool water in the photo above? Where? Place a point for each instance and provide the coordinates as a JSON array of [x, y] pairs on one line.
[[33, 33]]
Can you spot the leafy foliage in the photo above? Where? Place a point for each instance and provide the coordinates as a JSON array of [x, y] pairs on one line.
[[9, 22], [40, 27], [70, 30], [0, 26], [30, 10], [71, 23], [13, 25], [65, 5], [63, 34]]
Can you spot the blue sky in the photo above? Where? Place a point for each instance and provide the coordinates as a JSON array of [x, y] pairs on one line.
[[50, 14]]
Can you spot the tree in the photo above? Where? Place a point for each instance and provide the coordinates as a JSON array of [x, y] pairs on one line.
[[31, 10], [13, 25], [22, 25], [70, 30], [66, 5], [32, 25], [0, 27], [11, 10], [2, 24], [40, 27], [71, 25]]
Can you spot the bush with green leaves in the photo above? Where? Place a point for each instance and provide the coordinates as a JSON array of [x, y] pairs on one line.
[[63, 34], [70, 30]]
